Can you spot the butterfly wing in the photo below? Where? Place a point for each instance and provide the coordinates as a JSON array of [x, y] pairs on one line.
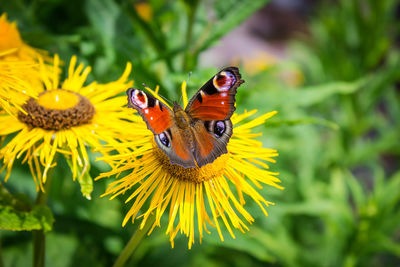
[[211, 139], [160, 120], [210, 109], [157, 116], [216, 98]]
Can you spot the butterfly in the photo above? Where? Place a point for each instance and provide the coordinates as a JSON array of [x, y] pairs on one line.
[[197, 135]]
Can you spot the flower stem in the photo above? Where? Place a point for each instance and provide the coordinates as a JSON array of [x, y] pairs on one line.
[[39, 238], [134, 242], [38, 248], [1, 257], [188, 59], [155, 38]]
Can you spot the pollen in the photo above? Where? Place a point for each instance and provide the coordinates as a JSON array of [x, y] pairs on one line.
[[56, 110], [196, 175]]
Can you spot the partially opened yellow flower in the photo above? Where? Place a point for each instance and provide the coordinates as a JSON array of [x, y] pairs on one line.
[[11, 44], [64, 119], [19, 68], [194, 197]]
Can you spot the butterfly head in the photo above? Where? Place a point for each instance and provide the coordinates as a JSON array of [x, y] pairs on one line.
[[181, 117], [177, 107]]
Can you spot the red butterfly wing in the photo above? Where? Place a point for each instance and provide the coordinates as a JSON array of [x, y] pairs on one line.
[[160, 120], [211, 109], [216, 99], [157, 115]]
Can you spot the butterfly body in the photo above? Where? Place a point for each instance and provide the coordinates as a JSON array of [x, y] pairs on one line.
[[198, 134]]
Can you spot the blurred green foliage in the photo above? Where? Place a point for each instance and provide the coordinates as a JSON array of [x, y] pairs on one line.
[[338, 133]]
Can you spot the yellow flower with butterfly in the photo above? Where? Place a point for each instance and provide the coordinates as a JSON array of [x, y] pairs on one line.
[[197, 162]]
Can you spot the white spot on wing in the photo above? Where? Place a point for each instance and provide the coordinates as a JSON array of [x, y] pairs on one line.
[[230, 80], [137, 101]]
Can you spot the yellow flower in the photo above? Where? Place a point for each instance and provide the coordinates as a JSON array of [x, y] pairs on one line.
[[193, 196], [11, 44], [19, 68], [65, 118], [144, 10]]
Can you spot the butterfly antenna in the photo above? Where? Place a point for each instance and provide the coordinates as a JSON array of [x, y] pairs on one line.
[[145, 86], [148, 88]]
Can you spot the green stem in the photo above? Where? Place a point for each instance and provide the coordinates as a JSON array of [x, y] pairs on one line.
[[39, 244], [157, 40], [1, 256], [188, 57], [133, 242], [39, 238]]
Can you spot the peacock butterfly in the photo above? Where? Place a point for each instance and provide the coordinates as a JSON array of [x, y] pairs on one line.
[[198, 134]]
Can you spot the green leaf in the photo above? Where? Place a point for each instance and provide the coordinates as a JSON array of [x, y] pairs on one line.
[[103, 15], [387, 244], [307, 120], [311, 208], [18, 201], [84, 179], [302, 97], [387, 194], [365, 150], [356, 190], [86, 182], [39, 218], [248, 245], [278, 243], [16, 213], [338, 186], [316, 94]]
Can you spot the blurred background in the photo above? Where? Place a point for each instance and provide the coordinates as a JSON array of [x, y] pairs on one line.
[[330, 68]]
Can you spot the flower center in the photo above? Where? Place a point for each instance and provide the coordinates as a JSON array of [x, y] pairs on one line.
[[196, 175], [56, 110], [58, 99]]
